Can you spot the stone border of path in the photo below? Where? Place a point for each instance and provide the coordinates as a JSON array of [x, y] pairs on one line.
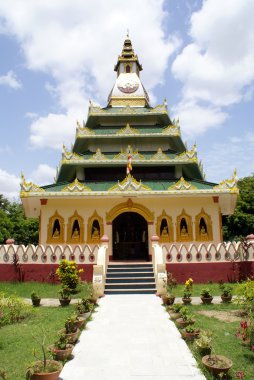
[[55, 301]]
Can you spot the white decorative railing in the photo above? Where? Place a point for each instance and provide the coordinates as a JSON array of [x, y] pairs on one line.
[[49, 254]]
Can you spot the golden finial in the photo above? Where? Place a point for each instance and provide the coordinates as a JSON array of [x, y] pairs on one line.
[[128, 33], [22, 177], [78, 124]]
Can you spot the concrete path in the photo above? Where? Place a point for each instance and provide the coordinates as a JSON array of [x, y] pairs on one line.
[[131, 338]]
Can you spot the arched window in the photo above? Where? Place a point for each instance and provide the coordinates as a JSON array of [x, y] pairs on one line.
[[203, 226], [184, 227], [95, 228], [75, 229], [55, 229], [128, 69], [164, 228]]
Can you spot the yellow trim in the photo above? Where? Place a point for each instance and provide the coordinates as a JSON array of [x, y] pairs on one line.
[[129, 206], [128, 130], [209, 230], [189, 234], [60, 238], [165, 238], [79, 239], [90, 237]]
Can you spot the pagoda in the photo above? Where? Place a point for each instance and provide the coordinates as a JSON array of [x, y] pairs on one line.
[[130, 176]]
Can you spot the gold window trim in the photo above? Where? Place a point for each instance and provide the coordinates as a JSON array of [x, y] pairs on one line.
[[79, 239], [90, 238], [130, 206], [167, 238], [188, 219], [60, 238], [208, 222]]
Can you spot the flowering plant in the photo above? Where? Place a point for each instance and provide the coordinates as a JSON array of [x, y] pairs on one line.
[[188, 288], [68, 274], [246, 332]]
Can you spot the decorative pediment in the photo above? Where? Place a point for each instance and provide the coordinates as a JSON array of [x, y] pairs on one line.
[[98, 156], [67, 155], [188, 154], [84, 131], [123, 155], [75, 187], [130, 184], [171, 130], [29, 187], [182, 185], [128, 130], [159, 155], [228, 184]]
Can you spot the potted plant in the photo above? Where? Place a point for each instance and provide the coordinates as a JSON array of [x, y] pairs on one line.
[[44, 369], [36, 299], [217, 364], [187, 291], [226, 294], [190, 333], [204, 343], [168, 298], [86, 308], [61, 350], [65, 296], [186, 318], [206, 296], [70, 331], [175, 311]]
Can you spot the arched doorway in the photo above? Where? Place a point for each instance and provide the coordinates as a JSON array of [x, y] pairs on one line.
[[130, 237]]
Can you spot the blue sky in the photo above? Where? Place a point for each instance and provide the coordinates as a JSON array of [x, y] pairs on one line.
[[55, 56]]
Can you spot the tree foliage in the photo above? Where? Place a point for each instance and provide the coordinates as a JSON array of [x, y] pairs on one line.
[[15, 225], [241, 223]]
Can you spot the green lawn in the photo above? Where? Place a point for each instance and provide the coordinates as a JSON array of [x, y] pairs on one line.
[[45, 290], [17, 342], [224, 341], [196, 290]]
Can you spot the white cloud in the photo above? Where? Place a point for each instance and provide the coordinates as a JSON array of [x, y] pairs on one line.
[[78, 42], [9, 185], [218, 66], [235, 152], [44, 174], [10, 80]]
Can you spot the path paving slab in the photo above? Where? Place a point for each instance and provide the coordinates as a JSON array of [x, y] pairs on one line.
[[131, 338]]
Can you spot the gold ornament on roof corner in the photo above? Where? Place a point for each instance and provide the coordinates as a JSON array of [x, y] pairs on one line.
[[229, 184], [182, 184]]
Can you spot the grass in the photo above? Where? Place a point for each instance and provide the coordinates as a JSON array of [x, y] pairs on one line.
[[17, 341], [45, 290], [214, 287], [224, 341]]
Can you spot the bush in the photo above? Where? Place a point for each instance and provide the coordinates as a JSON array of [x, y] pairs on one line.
[[68, 274], [13, 310]]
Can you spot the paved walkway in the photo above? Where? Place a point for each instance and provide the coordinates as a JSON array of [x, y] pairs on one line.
[[131, 338]]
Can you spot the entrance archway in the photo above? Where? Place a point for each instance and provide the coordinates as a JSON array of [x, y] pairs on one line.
[[130, 237]]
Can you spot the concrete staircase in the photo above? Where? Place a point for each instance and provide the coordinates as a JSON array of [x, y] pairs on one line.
[[130, 279]]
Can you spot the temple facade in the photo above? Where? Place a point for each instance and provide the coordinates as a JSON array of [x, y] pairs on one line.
[[129, 176]]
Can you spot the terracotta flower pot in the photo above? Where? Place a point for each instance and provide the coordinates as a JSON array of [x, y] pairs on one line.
[[47, 376], [80, 322], [182, 323], [206, 300], [174, 316], [64, 301], [167, 300], [226, 298], [72, 337], [217, 363], [62, 354], [190, 336], [186, 300], [36, 302], [85, 315]]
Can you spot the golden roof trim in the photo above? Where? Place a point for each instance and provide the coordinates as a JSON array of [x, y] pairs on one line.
[[182, 185], [129, 184], [75, 186]]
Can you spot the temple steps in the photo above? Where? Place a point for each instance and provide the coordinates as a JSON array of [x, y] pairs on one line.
[[130, 279]]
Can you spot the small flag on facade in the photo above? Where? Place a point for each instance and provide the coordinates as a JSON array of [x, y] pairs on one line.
[[129, 165]]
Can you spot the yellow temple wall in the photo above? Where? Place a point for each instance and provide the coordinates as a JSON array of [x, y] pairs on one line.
[[172, 207]]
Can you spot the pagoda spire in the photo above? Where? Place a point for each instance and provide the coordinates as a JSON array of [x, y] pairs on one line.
[[128, 89]]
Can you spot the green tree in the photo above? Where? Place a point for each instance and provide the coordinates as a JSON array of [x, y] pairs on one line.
[[241, 223], [14, 224]]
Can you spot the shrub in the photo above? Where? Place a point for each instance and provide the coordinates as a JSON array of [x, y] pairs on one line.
[[13, 310], [68, 274]]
